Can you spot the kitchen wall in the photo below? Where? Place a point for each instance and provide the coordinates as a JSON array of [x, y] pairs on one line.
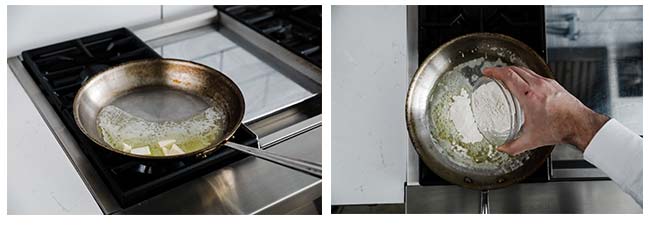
[[598, 25], [34, 26]]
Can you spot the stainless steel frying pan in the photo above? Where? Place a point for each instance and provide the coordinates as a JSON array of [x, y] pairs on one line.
[[444, 59], [169, 89]]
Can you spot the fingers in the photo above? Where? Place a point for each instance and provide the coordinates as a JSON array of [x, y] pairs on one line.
[[531, 72], [538, 78], [530, 78], [517, 146], [509, 77]]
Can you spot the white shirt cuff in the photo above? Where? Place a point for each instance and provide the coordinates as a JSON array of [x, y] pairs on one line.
[[618, 152]]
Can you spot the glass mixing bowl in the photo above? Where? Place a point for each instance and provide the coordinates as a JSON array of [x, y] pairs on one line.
[[514, 112]]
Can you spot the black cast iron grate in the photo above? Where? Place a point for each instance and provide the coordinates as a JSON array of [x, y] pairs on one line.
[[439, 24], [60, 69], [297, 28]]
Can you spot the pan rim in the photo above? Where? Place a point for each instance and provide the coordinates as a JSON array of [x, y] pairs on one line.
[[201, 152], [444, 171]]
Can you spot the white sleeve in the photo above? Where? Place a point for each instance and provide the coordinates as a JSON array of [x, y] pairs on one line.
[[618, 152]]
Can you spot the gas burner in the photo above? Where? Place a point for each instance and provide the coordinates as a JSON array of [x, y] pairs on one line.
[[90, 71]]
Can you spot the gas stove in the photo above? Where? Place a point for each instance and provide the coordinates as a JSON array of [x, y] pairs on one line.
[[60, 69], [281, 89]]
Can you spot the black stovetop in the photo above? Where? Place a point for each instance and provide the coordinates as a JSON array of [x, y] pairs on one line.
[[297, 28], [60, 69], [439, 24]]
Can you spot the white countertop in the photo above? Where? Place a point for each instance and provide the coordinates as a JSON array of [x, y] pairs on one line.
[[40, 178], [369, 84]]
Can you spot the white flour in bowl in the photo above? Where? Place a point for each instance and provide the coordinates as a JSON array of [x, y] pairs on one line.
[[460, 113], [491, 111], [454, 128]]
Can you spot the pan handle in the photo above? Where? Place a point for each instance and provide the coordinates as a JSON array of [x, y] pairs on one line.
[[307, 167], [484, 203]]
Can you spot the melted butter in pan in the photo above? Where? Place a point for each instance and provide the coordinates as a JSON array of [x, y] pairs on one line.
[[119, 127]]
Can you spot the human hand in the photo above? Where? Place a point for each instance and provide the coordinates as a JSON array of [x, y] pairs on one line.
[[551, 114]]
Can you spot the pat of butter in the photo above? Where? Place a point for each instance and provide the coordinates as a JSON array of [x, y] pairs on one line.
[[175, 150], [127, 148], [166, 143], [141, 150]]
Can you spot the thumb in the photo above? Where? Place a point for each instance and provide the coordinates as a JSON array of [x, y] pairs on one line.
[[516, 146]]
